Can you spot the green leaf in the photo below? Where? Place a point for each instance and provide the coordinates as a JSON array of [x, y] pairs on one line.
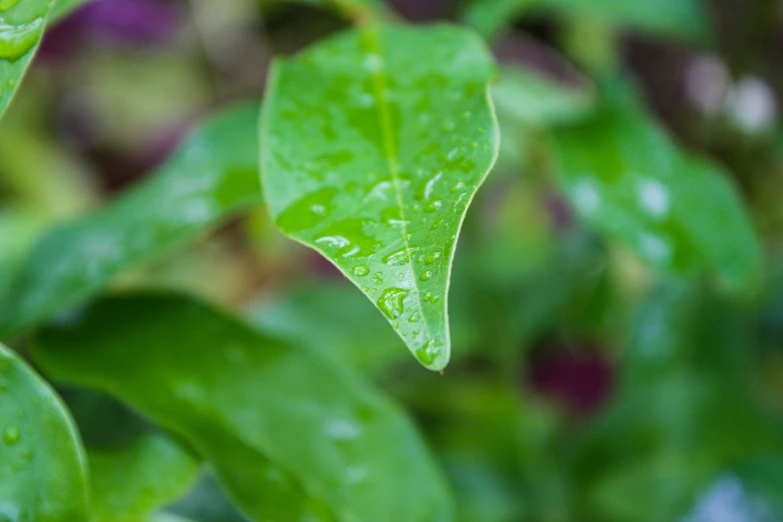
[[288, 435], [372, 156], [129, 484], [212, 175], [530, 97], [43, 472], [21, 27], [627, 179], [684, 18]]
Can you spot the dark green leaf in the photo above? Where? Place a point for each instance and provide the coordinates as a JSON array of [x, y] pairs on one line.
[[372, 158], [43, 472], [21, 27], [131, 483], [628, 180], [212, 174], [685, 18], [287, 433]]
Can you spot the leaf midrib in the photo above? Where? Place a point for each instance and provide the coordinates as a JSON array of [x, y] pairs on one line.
[[379, 84]]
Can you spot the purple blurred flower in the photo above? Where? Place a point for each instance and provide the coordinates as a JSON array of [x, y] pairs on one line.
[[139, 22], [581, 381]]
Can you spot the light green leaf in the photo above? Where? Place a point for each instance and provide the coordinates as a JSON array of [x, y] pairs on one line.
[[627, 179], [287, 433], [372, 157], [43, 472], [530, 97], [129, 484], [21, 27], [212, 175]]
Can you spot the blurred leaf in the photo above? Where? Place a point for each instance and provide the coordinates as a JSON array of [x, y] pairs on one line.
[[43, 472], [373, 156], [687, 368], [684, 18], [128, 485], [21, 27], [537, 100], [316, 315], [212, 175], [288, 434], [628, 180]]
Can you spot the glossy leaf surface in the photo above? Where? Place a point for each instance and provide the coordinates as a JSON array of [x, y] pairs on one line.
[[372, 157], [43, 473], [130, 484], [288, 434], [22, 24], [627, 179], [212, 175]]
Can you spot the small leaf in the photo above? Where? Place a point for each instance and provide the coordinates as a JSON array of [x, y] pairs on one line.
[[627, 179], [212, 175], [21, 27], [43, 472], [287, 433], [128, 485], [372, 157]]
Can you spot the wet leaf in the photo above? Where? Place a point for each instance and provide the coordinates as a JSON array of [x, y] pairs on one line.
[[43, 472], [131, 483], [21, 27], [287, 433], [626, 178], [212, 175], [373, 156]]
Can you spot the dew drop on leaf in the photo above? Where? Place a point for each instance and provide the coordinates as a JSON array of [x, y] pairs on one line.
[[391, 302], [11, 434], [16, 40]]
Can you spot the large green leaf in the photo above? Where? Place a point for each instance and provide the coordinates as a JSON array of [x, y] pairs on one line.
[[288, 434], [372, 156], [627, 179], [21, 27], [131, 483], [43, 472], [211, 175]]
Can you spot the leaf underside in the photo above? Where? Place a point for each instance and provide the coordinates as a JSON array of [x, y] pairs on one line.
[[372, 154]]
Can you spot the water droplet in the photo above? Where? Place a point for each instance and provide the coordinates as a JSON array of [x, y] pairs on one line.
[[308, 212], [458, 187], [11, 434], [427, 353], [378, 278], [415, 317], [16, 40], [433, 257], [348, 238], [427, 297], [426, 276], [360, 270], [11, 84], [391, 302], [453, 153], [400, 256], [342, 429], [434, 206], [426, 189], [392, 216]]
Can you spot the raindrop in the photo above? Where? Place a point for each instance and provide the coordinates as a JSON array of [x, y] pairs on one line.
[[361, 270], [433, 257], [15, 41], [11, 434], [391, 302], [415, 317], [426, 276], [342, 429], [434, 206]]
